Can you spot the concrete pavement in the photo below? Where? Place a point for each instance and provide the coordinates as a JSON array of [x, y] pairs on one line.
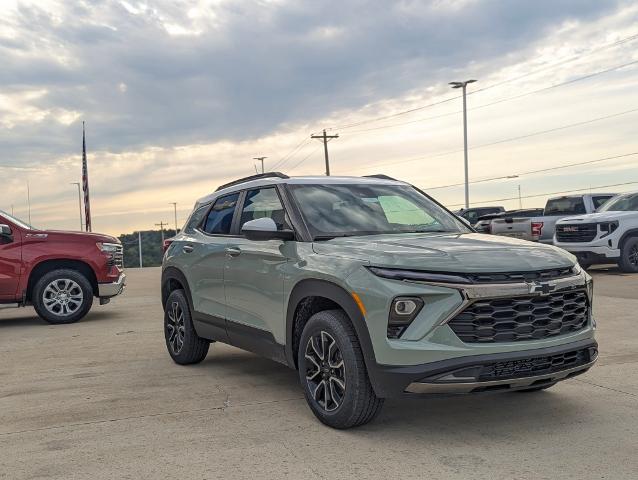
[[101, 399]]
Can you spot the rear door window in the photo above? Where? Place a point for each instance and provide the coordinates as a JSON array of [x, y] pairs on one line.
[[565, 206], [220, 218]]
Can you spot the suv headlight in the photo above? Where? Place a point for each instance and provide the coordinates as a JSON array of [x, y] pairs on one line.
[[403, 311], [607, 228]]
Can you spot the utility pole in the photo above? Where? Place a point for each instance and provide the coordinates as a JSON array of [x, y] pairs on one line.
[[79, 202], [325, 139], [139, 246], [520, 198], [463, 85], [175, 210], [12, 214], [162, 225], [261, 159]]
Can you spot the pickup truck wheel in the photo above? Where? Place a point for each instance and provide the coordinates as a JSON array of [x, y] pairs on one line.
[[333, 374], [629, 256], [62, 296], [184, 345]]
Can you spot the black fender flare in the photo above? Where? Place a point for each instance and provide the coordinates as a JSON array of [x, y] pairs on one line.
[[335, 293], [173, 273]]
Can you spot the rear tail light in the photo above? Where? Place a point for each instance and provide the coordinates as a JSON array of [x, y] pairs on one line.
[[537, 229], [166, 244]]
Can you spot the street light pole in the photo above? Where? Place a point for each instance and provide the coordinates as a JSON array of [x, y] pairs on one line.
[[79, 202], [175, 209], [261, 159], [463, 85]]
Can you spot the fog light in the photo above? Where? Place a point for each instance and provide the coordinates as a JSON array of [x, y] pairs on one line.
[[402, 312]]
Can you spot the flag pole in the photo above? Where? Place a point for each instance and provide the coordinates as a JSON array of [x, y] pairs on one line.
[[85, 183]]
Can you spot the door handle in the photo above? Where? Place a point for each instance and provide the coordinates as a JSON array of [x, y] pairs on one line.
[[187, 248], [233, 251]]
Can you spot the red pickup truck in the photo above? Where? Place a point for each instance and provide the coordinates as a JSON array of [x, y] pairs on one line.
[[59, 273]]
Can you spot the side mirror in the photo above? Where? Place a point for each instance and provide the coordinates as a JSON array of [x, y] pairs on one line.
[[265, 229], [5, 232]]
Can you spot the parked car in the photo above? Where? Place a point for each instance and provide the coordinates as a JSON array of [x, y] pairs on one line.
[[472, 214], [484, 224], [371, 289], [541, 228], [608, 236], [57, 272]]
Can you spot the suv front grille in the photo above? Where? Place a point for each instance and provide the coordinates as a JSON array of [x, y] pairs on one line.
[[117, 258], [576, 233], [532, 367], [522, 318], [550, 274]]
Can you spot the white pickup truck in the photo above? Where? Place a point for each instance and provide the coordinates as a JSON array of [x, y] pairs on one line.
[[541, 229], [608, 236]]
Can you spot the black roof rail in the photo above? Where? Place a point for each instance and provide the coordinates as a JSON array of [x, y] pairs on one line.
[[252, 177], [381, 176]]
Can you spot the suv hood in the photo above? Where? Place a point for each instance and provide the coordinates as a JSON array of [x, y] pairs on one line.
[[459, 253], [77, 236], [598, 217]]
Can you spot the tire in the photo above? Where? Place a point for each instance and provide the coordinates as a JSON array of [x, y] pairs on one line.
[[628, 262], [62, 296], [535, 389], [187, 348], [352, 401]]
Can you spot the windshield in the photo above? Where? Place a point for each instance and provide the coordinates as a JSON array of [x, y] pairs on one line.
[[15, 221], [358, 209], [621, 203]]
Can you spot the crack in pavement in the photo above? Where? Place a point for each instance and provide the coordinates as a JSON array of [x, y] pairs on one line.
[[606, 388], [151, 415]]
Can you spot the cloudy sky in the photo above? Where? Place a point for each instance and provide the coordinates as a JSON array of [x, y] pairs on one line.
[[178, 96]]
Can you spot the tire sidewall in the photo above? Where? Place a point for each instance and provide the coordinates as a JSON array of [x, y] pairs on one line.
[[353, 374], [47, 278], [625, 264], [191, 338]]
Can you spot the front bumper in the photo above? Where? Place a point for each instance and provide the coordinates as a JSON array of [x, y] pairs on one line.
[[108, 290], [510, 371], [593, 252]]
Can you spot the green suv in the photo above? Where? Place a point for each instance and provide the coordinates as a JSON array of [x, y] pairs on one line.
[[371, 289]]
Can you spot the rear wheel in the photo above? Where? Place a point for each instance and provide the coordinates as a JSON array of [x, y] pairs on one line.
[[333, 374], [62, 296], [184, 345], [629, 256]]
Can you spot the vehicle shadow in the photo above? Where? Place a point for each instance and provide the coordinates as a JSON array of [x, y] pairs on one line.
[[24, 317]]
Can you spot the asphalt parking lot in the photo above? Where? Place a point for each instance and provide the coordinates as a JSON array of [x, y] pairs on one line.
[[102, 399]]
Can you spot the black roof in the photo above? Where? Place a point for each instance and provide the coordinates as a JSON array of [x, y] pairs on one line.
[[252, 177]]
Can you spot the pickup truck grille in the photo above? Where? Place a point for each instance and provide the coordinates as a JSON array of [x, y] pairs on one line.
[[522, 318], [576, 233], [118, 258]]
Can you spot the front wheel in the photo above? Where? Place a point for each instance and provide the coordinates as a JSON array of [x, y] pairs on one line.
[[62, 296], [629, 256], [184, 345], [333, 374]]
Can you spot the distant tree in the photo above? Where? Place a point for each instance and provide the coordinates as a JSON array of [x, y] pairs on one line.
[[152, 251]]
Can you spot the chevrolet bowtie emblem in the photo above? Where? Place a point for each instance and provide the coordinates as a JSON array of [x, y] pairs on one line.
[[544, 288]]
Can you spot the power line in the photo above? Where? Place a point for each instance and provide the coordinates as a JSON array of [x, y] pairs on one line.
[[306, 158], [531, 172], [505, 140], [502, 100], [290, 154], [549, 193], [546, 67]]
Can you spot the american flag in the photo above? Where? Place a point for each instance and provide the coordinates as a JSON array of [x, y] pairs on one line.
[[85, 183]]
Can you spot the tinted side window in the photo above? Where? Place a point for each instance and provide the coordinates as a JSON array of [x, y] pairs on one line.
[[264, 202], [220, 217], [196, 219], [600, 200]]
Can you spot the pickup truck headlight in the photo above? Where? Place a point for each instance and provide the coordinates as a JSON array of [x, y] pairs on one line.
[[108, 247], [402, 311], [607, 228]]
